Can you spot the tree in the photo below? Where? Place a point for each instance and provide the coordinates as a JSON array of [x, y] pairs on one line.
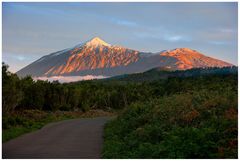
[[11, 93]]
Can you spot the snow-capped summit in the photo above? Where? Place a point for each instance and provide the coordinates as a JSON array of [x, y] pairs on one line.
[[96, 41]]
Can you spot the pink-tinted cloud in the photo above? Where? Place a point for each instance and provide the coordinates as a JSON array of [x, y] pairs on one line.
[[63, 79]]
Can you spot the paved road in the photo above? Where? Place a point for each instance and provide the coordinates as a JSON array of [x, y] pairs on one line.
[[78, 138]]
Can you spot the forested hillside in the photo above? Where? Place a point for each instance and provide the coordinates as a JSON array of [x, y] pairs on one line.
[[163, 73]]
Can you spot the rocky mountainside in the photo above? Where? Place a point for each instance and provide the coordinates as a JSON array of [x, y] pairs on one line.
[[96, 57]]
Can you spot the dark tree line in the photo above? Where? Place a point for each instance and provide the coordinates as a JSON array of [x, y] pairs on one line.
[[25, 93]]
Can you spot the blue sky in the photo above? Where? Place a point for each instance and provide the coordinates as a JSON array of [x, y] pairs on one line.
[[32, 30]]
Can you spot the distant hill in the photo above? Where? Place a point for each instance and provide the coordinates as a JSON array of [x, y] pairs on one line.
[[160, 73]]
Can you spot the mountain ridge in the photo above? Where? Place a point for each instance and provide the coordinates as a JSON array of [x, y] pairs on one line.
[[97, 57]]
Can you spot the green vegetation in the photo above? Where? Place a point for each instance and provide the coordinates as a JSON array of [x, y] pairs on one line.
[[25, 93], [194, 118], [162, 114], [158, 73]]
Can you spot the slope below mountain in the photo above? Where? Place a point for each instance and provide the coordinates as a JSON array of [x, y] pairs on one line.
[[159, 73]]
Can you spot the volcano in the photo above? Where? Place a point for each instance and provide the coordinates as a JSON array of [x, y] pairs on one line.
[[97, 57]]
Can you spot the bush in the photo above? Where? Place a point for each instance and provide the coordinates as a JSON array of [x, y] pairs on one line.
[[199, 124]]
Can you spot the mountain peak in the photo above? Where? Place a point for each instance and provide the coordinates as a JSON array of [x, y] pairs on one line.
[[178, 52], [96, 41], [183, 49]]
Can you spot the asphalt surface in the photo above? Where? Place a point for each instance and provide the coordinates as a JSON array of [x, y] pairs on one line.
[[77, 138]]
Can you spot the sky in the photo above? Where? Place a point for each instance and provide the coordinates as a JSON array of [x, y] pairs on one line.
[[32, 30]]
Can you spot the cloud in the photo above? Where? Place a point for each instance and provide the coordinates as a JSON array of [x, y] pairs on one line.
[[226, 30], [166, 37], [115, 20], [63, 79], [218, 34], [177, 38], [126, 23], [18, 57], [173, 38], [219, 42]]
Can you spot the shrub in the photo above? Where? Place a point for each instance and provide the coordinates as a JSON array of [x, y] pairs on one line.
[[199, 124]]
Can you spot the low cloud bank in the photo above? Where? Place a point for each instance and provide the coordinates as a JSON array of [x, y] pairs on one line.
[[64, 79]]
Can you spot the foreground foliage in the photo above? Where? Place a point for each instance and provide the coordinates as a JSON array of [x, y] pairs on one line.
[[198, 121], [182, 114]]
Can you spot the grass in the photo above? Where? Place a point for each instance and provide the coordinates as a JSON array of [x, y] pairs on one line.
[[21, 122]]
